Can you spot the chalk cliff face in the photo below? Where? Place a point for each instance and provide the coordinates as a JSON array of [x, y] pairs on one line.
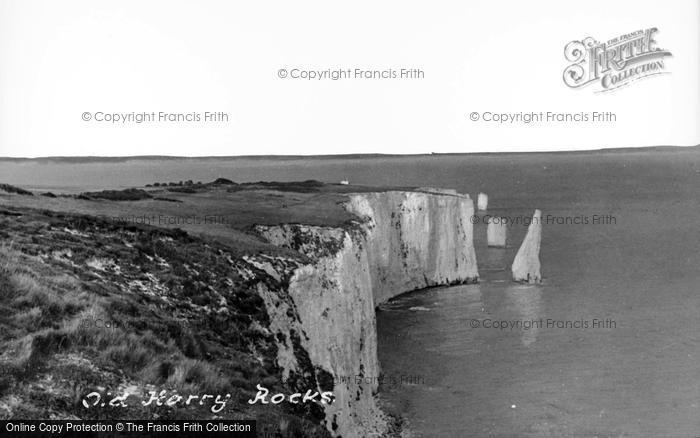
[[416, 240], [325, 321]]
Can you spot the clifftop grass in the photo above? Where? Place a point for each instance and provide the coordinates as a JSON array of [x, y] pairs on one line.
[[222, 210]]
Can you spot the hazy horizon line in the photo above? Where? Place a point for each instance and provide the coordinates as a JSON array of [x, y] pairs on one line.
[[331, 156]]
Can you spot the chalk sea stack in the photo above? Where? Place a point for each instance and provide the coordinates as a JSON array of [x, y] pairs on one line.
[[526, 266], [482, 201], [496, 231]]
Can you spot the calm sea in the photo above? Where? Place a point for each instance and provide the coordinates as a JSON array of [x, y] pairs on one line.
[[450, 369]]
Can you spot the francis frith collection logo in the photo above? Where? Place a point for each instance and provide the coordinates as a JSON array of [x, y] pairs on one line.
[[615, 63]]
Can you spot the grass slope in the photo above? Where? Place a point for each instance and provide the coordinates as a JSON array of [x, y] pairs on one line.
[[88, 304]]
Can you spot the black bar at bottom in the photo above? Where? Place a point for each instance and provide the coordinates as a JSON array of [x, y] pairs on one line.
[[128, 428]]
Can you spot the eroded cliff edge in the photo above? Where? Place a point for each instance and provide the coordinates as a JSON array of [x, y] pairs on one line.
[[401, 241]]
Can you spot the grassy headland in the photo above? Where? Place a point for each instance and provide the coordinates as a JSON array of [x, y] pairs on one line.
[[120, 290]]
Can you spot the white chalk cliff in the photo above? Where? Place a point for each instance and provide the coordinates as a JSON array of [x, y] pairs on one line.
[[416, 240], [526, 266], [325, 319]]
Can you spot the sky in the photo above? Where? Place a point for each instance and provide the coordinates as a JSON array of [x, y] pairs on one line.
[[66, 66]]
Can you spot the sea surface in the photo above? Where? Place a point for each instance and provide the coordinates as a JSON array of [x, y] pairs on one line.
[[551, 371]]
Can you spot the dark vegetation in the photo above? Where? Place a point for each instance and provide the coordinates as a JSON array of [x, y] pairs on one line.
[[185, 189], [118, 195], [223, 181], [176, 184], [191, 187], [12, 189]]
